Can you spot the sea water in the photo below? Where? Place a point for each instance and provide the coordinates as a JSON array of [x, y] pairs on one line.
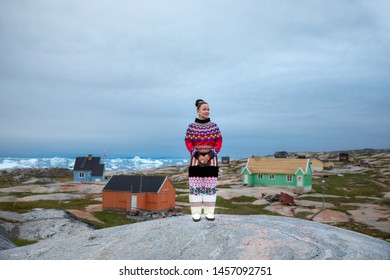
[[111, 164]]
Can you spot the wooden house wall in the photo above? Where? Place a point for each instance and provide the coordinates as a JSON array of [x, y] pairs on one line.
[[87, 177], [114, 200]]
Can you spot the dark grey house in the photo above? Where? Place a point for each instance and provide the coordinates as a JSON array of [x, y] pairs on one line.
[[281, 154]]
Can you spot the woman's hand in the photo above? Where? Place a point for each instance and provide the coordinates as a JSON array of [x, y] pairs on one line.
[[204, 159]]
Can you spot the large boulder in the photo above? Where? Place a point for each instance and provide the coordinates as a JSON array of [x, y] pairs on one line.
[[228, 237]]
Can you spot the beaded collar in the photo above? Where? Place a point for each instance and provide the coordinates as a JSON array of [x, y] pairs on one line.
[[202, 121]]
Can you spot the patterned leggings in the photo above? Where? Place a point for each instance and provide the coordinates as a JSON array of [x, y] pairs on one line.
[[202, 185]]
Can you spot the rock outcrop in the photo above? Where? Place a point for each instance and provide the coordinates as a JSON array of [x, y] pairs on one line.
[[40, 224], [5, 243], [228, 237]]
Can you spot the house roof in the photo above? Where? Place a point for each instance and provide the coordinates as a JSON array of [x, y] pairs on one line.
[[98, 170], [259, 165], [135, 184], [316, 162], [89, 164]]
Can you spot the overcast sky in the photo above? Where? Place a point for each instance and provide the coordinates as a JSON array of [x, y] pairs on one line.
[[80, 77]]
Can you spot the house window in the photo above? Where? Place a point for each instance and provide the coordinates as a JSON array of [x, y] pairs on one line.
[[81, 175], [272, 176], [260, 176], [289, 178]]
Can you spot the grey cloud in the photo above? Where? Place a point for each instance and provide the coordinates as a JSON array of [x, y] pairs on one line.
[[126, 73]]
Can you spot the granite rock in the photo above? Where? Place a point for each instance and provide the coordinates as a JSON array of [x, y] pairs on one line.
[[228, 237]]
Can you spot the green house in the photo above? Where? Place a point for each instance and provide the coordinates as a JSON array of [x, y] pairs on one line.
[[277, 172]]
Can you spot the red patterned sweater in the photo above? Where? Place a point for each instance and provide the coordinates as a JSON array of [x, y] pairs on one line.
[[203, 137]]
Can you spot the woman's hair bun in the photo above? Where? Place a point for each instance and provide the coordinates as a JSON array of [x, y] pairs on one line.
[[199, 102]]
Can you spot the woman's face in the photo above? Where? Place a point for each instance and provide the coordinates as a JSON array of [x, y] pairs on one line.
[[204, 111]]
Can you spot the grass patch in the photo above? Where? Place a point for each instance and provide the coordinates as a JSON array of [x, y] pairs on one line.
[[182, 198], [302, 215], [341, 203], [384, 202], [19, 176], [241, 209], [25, 194], [345, 208], [224, 187], [180, 185], [7, 181], [349, 184], [244, 198], [358, 227], [185, 210], [110, 219], [227, 206], [337, 201], [24, 207]]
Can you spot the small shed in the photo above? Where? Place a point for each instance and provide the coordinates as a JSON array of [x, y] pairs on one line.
[[130, 193], [363, 163], [225, 160], [328, 165], [318, 164], [344, 157], [88, 169]]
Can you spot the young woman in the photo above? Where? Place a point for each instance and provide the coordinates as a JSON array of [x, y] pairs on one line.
[[204, 141]]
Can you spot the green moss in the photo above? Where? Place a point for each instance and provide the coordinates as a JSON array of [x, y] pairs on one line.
[[23, 242]]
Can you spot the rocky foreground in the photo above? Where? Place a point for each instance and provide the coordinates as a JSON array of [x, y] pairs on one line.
[[229, 237]]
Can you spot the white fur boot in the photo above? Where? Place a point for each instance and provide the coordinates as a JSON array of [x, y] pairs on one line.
[[209, 206], [196, 206]]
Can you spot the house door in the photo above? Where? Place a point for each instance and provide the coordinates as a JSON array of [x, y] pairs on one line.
[[300, 181], [133, 202], [246, 179]]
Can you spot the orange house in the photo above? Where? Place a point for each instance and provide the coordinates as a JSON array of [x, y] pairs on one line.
[[131, 193]]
